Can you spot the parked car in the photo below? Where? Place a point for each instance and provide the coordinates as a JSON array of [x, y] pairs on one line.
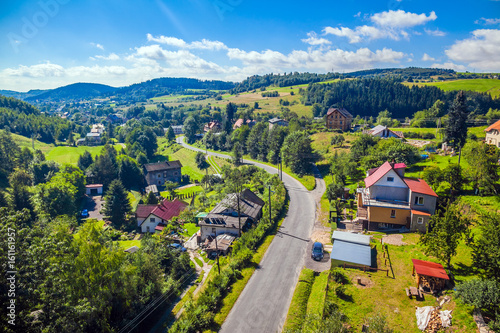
[[85, 213], [317, 251]]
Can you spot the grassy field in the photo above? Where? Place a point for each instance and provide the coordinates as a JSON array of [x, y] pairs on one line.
[[189, 229], [134, 198], [128, 243], [65, 154], [23, 141], [490, 86], [386, 295], [316, 302]]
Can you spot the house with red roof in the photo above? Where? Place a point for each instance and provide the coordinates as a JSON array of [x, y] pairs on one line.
[[152, 218], [493, 134], [390, 200]]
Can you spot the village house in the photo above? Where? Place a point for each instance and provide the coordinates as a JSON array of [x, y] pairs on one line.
[[178, 129], [384, 132], [153, 218], [213, 126], [93, 138], [338, 118], [390, 200], [493, 134], [240, 123], [277, 122], [158, 173], [223, 219]]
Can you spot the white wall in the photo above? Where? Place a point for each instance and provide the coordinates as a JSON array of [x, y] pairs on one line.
[[206, 230], [148, 223]]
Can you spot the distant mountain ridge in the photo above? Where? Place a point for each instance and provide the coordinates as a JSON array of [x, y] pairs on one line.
[[73, 91]]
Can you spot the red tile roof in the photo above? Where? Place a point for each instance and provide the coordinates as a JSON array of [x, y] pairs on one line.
[[428, 268], [399, 166], [168, 209], [419, 212], [93, 186], [375, 177], [143, 211], [419, 186], [493, 126]]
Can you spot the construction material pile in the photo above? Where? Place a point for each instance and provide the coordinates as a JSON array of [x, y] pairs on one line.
[[431, 320]]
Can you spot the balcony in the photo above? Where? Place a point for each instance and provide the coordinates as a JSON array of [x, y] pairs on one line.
[[377, 202]]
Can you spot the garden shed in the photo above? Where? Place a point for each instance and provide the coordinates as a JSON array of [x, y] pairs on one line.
[[351, 249], [430, 276]]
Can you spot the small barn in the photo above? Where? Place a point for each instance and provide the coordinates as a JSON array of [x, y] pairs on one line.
[[430, 276], [351, 249], [93, 189]]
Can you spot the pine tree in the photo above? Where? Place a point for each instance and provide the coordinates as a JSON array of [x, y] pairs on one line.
[[117, 203], [456, 129], [170, 135]]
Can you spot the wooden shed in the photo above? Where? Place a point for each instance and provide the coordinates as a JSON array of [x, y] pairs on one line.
[[430, 276]]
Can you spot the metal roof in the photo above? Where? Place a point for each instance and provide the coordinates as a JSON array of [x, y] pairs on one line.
[[429, 268], [250, 204], [160, 166], [352, 253], [351, 237]]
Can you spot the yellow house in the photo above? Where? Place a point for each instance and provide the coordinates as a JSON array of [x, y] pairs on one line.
[[493, 134], [392, 201]]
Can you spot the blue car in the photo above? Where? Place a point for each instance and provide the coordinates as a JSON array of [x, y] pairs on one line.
[[85, 213], [317, 251]]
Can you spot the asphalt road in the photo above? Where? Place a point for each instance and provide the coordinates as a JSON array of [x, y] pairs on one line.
[[263, 304]]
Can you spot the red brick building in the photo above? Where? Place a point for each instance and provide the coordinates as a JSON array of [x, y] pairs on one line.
[[338, 118]]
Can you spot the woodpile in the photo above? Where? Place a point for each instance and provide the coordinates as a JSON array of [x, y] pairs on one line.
[[431, 283], [434, 323]]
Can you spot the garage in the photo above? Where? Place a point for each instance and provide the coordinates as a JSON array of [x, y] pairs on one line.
[[351, 249], [93, 189]]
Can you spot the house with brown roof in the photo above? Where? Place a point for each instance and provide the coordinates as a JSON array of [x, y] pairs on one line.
[[223, 218], [158, 173], [277, 122], [392, 201], [213, 126], [338, 118], [493, 134], [240, 122], [384, 132], [153, 218]]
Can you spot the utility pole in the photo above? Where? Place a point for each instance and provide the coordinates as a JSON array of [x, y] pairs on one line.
[[270, 215], [239, 217], [281, 165], [217, 251]]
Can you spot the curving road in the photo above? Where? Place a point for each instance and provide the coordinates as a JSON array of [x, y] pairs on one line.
[[264, 303]]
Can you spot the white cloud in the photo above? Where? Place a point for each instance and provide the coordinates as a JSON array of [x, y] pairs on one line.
[[449, 65], [99, 46], [361, 32], [427, 57], [401, 19], [436, 32], [313, 39], [481, 51], [488, 21], [204, 44], [41, 70], [112, 56]]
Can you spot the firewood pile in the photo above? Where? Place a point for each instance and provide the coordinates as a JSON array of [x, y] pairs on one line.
[[432, 283], [435, 323]]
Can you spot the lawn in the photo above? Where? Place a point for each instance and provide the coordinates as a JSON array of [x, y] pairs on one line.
[[316, 302], [386, 295], [189, 230], [298, 307], [128, 244], [134, 198], [490, 86], [23, 141], [65, 154]]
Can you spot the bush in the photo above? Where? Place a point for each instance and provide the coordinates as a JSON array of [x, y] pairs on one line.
[[483, 294]]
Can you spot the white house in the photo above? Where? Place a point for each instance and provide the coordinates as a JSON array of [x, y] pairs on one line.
[[152, 218], [93, 189]]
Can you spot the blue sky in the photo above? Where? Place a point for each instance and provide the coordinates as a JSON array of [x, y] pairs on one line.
[[49, 43]]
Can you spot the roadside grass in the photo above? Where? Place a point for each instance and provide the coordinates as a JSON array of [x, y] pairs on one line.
[[386, 295], [198, 261], [298, 307], [316, 302], [65, 154], [128, 243], [189, 229], [188, 296], [491, 86]]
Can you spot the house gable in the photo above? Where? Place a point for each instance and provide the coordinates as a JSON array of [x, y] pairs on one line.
[[391, 179]]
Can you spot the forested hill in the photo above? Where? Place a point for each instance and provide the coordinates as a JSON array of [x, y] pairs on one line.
[[415, 72], [22, 95], [367, 97], [167, 85], [281, 80], [24, 119], [72, 92]]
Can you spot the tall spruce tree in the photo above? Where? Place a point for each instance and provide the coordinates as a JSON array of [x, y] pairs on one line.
[[455, 132], [117, 203]]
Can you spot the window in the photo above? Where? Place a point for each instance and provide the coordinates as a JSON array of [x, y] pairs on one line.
[[159, 182], [341, 122], [159, 175], [419, 201], [393, 213], [147, 229], [152, 219], [420, 220], [390, 179]]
